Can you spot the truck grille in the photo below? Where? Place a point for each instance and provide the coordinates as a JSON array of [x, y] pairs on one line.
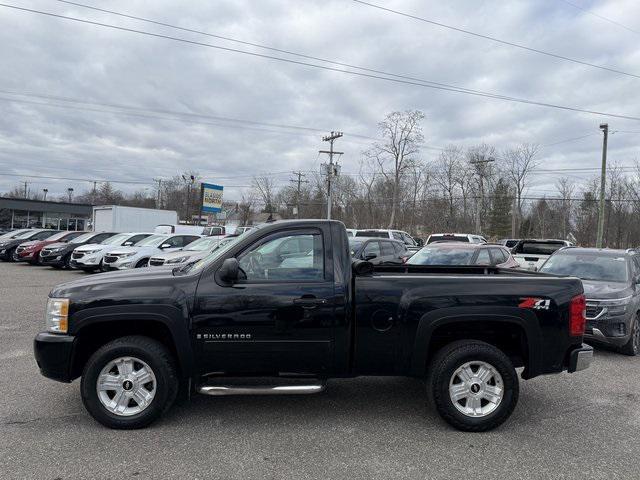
[[77, 255], [156, 262], [44, 252]]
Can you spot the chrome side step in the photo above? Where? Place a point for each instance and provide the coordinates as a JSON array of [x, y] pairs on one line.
[[223, 390]]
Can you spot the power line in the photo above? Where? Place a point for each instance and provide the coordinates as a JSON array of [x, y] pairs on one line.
[[497, 40], [324, 67], [601, 17]]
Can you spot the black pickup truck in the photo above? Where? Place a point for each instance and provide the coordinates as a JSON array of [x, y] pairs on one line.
[[284, 308]]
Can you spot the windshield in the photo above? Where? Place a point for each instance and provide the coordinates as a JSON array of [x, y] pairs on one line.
[[152, 241], [203, 244], [58, 236], [355, 244], [116, 239], [83, 238], [442, 256], [539, 248], [14, 234], [588, 266]]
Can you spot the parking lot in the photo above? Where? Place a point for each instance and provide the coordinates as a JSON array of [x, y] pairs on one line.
[[565, 426]]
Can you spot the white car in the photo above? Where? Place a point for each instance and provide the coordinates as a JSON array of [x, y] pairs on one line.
[[399, 235], [138, 255], [89, 257], [192, 252], [456, 237], [531, 254]]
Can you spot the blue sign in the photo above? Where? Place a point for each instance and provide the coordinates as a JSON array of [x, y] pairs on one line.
[[212, 198]]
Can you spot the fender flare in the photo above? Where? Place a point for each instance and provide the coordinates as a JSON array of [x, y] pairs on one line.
[[524, 319], [169, 316]]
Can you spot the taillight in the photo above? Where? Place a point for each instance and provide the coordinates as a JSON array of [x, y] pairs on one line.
[[577, 316]]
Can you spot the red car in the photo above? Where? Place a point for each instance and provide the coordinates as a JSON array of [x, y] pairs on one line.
[[30, 251], [458, 253]]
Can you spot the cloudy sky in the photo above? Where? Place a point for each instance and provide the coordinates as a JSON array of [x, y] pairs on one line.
[[89, 102]]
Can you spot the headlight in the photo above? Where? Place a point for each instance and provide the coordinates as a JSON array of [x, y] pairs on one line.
[[54, 250], [89, 252], [57, 317], [177, 260], [125, 255]]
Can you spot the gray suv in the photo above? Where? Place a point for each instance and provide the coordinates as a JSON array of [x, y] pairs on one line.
[[611, 280]]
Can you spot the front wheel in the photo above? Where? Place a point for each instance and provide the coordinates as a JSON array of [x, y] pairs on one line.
[[129, 382], [474, 385], [632, 347]]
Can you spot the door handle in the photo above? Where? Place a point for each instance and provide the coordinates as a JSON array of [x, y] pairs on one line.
[[309, 302]]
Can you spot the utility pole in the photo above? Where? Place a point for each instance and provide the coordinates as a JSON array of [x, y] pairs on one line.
[[299, 181], [189, 182], [159, 196], [514, 207], [93, 192], [603, 183], [26, 192], [70, 192], [481, 173], [332, 169], [45, 191]]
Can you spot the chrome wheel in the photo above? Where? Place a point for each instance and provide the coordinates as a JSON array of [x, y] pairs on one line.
[[126, 386], [476, 389]]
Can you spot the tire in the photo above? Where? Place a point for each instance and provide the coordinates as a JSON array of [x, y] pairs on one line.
[[450, 368], [632, 347], [160, 391], [67, 262], [10, 255], [143, 263]]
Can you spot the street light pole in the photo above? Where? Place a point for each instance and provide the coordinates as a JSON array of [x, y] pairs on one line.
[[331, 167], [603, 183]]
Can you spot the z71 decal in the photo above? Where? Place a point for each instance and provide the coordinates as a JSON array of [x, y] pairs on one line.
[[535, 303]]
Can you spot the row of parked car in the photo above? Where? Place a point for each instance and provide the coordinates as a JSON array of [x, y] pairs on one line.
[[92, 251]]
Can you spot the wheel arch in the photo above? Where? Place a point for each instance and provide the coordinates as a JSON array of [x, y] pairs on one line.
[[494, 325]]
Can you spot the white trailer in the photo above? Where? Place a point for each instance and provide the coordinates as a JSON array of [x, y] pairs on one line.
[[116, 218]]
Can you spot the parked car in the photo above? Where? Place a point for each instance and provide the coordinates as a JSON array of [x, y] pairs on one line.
[[89, 257], [399, 235], [8, 245], [351, 232], [58, 255], [611, 282], [138, 255], [14, 233], [455, 237], [192, 252], [30, 251], [379, 251], [509, 242], [136, 339], [531, 253], [458, 253]]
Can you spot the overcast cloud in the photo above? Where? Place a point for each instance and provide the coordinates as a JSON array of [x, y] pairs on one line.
[[61, 58]]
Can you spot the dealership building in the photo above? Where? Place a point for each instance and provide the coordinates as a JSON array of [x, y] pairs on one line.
[[24, 213]]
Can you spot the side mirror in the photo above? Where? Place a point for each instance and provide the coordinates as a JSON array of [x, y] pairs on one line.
[[127, 244], [229, 272], [165, 245], [370, 256], [419, 242], [361, 267]]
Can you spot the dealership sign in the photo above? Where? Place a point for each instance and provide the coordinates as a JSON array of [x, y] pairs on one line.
[[211, 198]]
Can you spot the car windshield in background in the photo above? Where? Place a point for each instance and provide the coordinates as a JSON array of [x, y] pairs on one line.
[[372, 234], [151, 241], [448, 238], [442, 256], [199, 265], [607, 268], [82, 238], [116, 239], [57, 236], [203, 244], [355, 244], [539, 248]]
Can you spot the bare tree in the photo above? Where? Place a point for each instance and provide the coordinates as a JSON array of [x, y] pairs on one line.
[[401, 139], [519, 164], [264, 187], [446, 178]]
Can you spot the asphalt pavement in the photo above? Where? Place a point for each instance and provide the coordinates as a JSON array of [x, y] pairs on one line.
[[583, 425]]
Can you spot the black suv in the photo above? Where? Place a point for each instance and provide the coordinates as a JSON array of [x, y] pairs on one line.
[[58, 255], [611, 280]]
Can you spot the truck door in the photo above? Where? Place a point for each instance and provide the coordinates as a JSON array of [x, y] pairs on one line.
[[280, 317]]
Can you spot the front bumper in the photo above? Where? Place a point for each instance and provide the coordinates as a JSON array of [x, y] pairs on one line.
[[55, 259], [54, 353], [595, 335], [580, 358]]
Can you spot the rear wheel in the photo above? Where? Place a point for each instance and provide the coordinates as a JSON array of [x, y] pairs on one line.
[[632, 347], [143, 263], [129, 382], [10, 255], [474, 385]]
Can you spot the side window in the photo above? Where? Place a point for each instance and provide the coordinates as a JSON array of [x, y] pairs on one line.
[[372, 248], [408, 240], [497, 256], [399, 248], [483, 257], [293, 257], [397, 236], [636, 263], [136, 238], [387, 249], [100, 238], [174, 242], [187, 239]]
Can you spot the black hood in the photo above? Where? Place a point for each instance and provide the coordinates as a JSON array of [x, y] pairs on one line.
[[595, 289], [13, 242]]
